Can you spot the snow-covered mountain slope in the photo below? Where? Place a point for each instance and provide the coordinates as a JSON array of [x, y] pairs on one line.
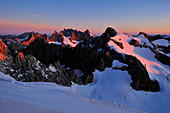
[[114, 85], [41, 97]]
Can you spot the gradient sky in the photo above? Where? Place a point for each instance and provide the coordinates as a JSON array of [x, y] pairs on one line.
[[46, 16]]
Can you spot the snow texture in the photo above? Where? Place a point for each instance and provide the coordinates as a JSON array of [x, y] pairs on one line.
[[41, 97]]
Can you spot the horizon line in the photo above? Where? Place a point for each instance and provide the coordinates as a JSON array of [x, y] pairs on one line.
[[8, 27]]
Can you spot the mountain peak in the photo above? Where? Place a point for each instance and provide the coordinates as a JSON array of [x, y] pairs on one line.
[[87, 32], [110, 32], [145, 35]]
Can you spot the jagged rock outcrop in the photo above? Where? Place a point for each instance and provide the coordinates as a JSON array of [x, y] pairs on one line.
[[85, 56], [117, 43], [34, 59], [48, 53], [156, 37], [27, 68], [88, 33], [59, 37], [145, 35], [3, 50], [135, 43], [139, 76], [34, 36], [91, 54]]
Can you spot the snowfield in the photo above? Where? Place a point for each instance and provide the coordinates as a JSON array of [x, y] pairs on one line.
[[41, 97]]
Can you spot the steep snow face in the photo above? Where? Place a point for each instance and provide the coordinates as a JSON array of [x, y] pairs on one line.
[[114, 85], [51, 98], [145, 55]]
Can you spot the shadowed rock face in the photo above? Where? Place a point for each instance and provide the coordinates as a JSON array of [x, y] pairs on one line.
[[135, 43], [139, 75], [138, 72], [156, 37], [91, 54], [57, 37], [27, 68], [110, 32], [48, 53], [162, 58]]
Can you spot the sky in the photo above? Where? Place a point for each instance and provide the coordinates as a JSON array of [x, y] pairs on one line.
[[47, 16]]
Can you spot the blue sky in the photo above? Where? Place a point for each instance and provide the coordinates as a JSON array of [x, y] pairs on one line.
[[152, 16]]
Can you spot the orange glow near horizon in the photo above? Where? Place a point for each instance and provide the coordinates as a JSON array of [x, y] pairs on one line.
[[9, 27]]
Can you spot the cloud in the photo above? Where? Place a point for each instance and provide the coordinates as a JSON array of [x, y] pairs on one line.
[[37, 15], [10, 27]]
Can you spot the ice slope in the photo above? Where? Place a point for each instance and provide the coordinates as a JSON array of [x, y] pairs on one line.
[[114, 85], [41, 97]]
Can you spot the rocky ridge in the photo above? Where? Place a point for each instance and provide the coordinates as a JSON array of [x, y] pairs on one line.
[[38, 58]]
